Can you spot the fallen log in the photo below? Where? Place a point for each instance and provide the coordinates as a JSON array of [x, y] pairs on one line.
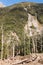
[[20, 62], [25, 61]]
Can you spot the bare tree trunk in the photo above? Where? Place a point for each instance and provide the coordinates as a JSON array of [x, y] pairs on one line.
[[33, 44], [7, 52], [24, 43], [29, 44], [13, 51], [36, 45], [9, 41], [2, 42], [41, 42]]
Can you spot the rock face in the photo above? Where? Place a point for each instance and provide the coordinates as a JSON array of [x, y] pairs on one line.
[[33, 26]]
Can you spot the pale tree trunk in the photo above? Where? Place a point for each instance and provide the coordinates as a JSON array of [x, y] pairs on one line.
[[13, 47], [41, 42], [13, 51], [36, 45], [7, 52], [29, 44], [33, 44], [2, 42], [8, 43], [24, 44]]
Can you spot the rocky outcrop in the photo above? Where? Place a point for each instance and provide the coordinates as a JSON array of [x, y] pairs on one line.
[[33, 27]]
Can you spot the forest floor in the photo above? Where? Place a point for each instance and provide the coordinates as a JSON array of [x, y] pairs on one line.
[[32, 59]]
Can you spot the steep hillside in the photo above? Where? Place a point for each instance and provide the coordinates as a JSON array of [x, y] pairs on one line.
[[19, 22], [16, 16]]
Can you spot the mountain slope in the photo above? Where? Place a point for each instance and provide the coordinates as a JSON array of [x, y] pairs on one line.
[[15, 17], [23, 19]]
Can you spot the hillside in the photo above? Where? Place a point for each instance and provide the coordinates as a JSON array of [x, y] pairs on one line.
[[20, 22], [16, 16]]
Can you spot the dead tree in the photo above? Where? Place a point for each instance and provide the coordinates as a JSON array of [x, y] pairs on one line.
[[2, 41]]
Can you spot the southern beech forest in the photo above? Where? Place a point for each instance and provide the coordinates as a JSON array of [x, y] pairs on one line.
[[17, 36]]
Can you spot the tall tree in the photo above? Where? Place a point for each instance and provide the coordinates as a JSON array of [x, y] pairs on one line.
[[2, 41]]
